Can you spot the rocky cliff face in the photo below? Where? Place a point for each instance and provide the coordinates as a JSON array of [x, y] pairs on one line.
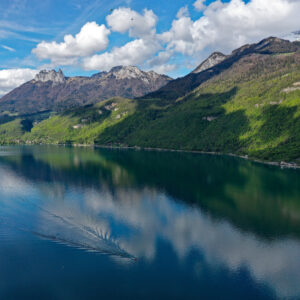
[[52, 75], [131, 72], [51, 90], [210, 62]]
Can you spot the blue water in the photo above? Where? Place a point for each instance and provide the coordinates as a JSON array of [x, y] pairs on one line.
[[79, 223]]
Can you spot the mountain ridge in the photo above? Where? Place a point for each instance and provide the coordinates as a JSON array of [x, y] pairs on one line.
[[270, 45], [247, 105], [51, 90]]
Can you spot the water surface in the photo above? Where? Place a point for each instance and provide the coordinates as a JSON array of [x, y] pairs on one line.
[[79, 223]]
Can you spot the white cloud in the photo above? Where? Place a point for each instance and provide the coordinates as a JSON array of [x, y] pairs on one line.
[[183, 12], [199, 5], [180, 37], [91, 38], [136, 52], [164, 69], [222, 26], [6, 34], [161, 58], [133, 53], [124, 19], [225, 26], [12, 78], [8, 48]]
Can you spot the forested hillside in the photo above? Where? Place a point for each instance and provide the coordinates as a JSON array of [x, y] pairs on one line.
[[250, 105]]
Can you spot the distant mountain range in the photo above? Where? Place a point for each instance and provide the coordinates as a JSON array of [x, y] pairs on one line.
[[246, 103], [51, 90]]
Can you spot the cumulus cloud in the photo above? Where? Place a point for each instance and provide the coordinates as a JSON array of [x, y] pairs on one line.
[[183, 12], [138, 25], [222, 26], [136, 52], [225, 26], [133, 53], [180, 37], [160, 63], [199, 5], [165, 68], [91, 38], [12, 78], [160, 59]]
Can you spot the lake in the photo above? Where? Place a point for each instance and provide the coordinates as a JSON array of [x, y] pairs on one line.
[[83, 223]]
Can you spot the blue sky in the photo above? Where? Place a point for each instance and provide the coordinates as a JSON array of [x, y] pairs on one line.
[[168, 36], [26, 23]]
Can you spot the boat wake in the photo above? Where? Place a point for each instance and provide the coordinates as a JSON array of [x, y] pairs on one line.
[[67, 226]]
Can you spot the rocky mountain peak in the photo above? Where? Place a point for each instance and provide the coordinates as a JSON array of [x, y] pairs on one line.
[[268, 41], [51, 75], [210, 62], [122, 72], [274, 45], [52, 90], [130, 72]]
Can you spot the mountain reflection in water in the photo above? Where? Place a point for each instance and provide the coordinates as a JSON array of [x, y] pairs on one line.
[[237, 214]]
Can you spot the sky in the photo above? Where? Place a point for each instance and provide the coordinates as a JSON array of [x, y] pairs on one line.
[[83, 37]]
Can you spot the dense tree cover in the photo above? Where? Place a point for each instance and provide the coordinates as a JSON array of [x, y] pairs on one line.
[[252, 108]]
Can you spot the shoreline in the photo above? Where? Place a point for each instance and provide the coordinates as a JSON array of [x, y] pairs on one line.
[[282, 164]]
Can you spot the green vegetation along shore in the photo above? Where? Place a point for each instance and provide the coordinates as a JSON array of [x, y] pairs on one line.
[[252, 108]]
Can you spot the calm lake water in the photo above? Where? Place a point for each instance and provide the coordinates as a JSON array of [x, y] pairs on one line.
[[79, 223]]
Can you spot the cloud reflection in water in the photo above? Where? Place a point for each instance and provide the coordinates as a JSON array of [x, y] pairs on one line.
[[127, 222]]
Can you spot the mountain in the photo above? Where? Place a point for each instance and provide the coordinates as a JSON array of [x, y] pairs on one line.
[[182, 86], [248, 104], [210, 62], [51, 90], [53, 76]]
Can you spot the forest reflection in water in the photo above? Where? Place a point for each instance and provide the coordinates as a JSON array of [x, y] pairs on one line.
[[235, 214]]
